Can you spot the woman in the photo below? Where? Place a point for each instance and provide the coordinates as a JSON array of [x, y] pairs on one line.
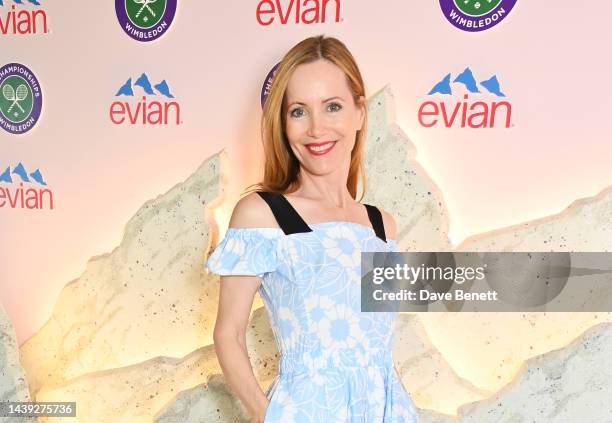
[[336, 363]]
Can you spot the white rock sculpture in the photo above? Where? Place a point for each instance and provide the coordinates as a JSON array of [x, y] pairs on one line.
[[133, 393], [483, 347], [585, 225], [149, 297], [210, 402], [136, 393], [13, 383], [568, 385], [396, 182], [425, 373], [214, 401]]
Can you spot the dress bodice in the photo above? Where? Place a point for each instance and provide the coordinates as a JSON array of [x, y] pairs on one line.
[[311, 287]]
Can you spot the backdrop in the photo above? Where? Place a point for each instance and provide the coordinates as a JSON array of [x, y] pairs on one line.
[[104, 105]]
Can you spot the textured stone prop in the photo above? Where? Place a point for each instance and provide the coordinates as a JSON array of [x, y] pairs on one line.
[[13, 383], [568, 385], [149, 297]]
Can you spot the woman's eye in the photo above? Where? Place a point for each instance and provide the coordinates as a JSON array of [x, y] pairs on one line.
[[335, 107], [299, 114]]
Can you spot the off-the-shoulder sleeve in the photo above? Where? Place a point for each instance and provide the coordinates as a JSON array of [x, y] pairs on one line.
[[392, 245], [246, 252]]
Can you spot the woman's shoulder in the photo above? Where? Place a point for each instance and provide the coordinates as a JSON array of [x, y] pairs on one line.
[[252, 211]]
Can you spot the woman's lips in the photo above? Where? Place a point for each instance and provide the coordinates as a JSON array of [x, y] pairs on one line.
[[320, 148]]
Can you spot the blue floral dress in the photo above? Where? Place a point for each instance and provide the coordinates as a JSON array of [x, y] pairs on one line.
[[336, 364]]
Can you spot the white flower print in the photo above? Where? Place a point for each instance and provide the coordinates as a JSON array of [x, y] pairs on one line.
[[289, 327], [282, 408], [316, 305], [339, 328], [342, 244], [292, 252], [316, 359], [377, 392], [361, 357], [232, 254], [333, 352]]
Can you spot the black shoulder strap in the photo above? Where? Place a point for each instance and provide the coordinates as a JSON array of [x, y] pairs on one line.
[[287, 217], [377, 221]]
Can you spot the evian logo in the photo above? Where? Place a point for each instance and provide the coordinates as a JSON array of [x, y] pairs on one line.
[[22, 18], [20, 189], [476, 15], [448, 111], [297, 11], [162, 110]]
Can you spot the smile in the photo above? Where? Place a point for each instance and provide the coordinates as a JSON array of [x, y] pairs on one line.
[[318, 149]]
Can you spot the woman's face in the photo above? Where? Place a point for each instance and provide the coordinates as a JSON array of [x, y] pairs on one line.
[[321, 117]]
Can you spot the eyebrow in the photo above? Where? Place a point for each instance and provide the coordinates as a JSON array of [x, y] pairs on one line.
[[324, 101]]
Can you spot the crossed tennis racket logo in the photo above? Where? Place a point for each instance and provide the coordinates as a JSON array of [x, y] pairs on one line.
[[477, 4], [145, 5], [16, 96]]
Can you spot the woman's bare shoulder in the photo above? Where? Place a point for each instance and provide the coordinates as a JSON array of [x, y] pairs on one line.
[[252, 211]]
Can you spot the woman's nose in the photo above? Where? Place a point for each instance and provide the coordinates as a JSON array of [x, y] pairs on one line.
[[316, 128]]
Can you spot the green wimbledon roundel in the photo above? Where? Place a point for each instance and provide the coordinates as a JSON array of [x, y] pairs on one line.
[[476, 7], [16, 99], [145, 13]]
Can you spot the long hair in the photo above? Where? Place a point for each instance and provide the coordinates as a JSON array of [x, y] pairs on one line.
[[281, 167]]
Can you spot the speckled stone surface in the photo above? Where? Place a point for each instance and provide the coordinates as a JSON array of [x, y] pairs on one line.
[[149, 297], [396, 182], [211, 402], [425, 373], [138, 392], [490, 351], [133, 393], [262, 349], [585, 225], [568, 385], [13, 383]]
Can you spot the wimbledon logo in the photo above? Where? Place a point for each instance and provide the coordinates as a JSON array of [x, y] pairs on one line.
[[267, 85], [465, 113], [476, 15], [145, 20], [145, 112], [20, 98], [16, 196]]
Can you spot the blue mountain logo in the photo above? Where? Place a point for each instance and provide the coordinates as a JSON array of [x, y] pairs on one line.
[[23, 174], [143, 82], [466, 78], [34, 2]]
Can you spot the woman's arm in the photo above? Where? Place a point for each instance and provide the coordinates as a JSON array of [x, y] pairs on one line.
[[235, 302]]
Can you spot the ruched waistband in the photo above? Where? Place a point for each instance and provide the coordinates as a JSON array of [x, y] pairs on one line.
[[356, 360]]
